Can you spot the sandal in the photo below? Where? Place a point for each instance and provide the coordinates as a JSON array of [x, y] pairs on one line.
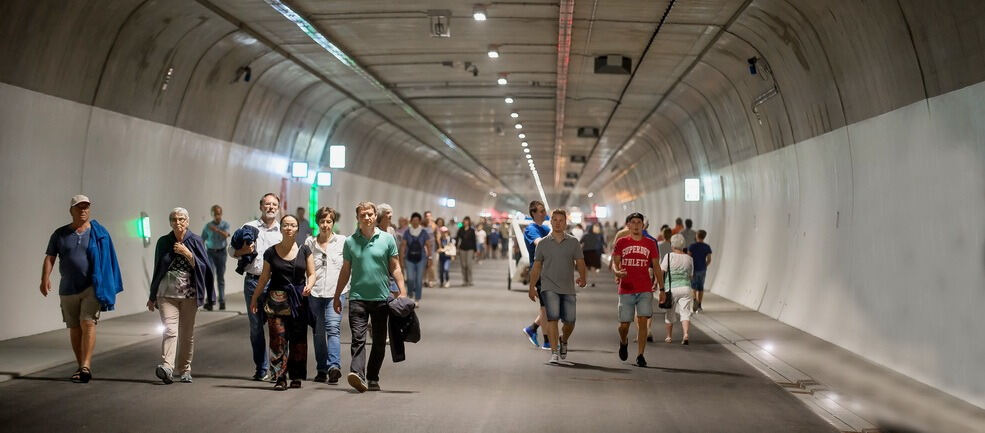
[[684, 341], [85, 374], [295, 383], [668, 340], [281, 385], [77, 376]]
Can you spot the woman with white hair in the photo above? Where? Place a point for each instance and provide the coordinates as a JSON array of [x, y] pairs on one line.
[[182, 278], [678, 279]]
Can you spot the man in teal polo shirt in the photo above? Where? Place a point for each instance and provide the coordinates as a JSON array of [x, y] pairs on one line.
[[369, 257]]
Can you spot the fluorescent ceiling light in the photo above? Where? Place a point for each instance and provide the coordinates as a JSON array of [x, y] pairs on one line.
[[518, 126], [514, 114], [509, 100], [528, 156], [323, 178], [479, 13], [521, 136], [524, 144], [493, 52], [501, 81], [450, 202], [591, 194], [525, 150]]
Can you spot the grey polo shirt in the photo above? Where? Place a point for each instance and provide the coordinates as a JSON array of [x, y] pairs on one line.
[[558, 263]]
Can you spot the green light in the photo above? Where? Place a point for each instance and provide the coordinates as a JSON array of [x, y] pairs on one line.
[[313, 209], [143, 227]]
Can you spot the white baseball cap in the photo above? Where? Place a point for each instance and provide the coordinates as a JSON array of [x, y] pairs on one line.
[[79, 199]]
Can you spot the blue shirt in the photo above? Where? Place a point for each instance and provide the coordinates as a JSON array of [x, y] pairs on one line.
[[213, 240], [698, 251], [73, 261], [531, 233]]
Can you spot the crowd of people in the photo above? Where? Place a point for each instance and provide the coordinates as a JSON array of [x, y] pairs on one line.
[[296, 278]]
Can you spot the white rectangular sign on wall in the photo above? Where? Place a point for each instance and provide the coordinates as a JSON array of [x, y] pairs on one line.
[[692, 189]]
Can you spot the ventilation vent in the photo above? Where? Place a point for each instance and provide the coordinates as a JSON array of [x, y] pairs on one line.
[[588, 132], [569, 184], [572, 175], [613, 64], [579, 159]]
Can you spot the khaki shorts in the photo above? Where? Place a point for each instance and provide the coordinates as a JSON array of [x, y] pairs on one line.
[[80, 306]]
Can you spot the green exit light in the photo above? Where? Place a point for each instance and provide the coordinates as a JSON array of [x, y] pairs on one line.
[[143, 226]]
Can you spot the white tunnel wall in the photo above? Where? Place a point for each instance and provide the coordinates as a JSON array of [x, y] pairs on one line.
[[869, 236], [52, 148]]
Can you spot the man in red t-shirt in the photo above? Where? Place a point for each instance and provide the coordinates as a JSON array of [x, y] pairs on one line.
[[632, 258]]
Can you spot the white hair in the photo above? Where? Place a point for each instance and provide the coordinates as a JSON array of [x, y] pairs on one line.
[[384, 208], [178, 210], [677, 242]]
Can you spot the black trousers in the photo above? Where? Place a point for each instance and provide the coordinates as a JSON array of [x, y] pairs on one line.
[[361, 313]]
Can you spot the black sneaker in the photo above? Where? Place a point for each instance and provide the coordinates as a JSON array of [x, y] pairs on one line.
[[623, 351], [334, 374], [374, 385], [222, 306], [640, 360], [209, 306], [649, 338], [357, 383], [320, 377]]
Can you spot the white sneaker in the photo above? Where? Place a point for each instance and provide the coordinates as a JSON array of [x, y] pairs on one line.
[[554, 359]]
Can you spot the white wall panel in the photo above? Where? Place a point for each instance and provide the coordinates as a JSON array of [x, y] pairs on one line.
[[51, 149], [869, 236]]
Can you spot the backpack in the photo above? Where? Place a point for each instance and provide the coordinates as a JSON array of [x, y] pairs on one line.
[[415, 248]]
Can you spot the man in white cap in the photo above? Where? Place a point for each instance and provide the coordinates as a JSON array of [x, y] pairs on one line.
[[90, 279]]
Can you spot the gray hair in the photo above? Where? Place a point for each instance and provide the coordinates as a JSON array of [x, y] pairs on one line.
[[677, 242], [384, 208], [178, 210]]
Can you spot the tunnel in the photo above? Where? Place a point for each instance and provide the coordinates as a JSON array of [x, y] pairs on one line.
[[832, 150]]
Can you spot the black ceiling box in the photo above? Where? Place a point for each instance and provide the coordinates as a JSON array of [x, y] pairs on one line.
[[572, 175], [579, 159], [569, 184], [613, 64], [588, 132]]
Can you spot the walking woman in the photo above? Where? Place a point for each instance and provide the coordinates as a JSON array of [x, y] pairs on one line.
[[290, 270], [181, 282], [681, 268], [446, 252], [327, 251], [466, 245]]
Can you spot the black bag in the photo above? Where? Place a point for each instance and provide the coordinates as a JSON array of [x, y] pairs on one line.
[[668, 302], [415, 248], [277, 303]]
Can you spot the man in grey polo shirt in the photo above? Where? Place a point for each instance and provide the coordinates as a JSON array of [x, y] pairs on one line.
[[555, 260]]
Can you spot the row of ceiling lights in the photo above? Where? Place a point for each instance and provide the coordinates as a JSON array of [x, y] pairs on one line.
[[479, 14]]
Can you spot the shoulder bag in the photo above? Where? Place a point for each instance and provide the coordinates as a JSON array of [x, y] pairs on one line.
[[278, 303]]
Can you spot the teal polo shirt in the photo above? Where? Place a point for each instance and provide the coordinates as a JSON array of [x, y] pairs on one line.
[[369, 260]]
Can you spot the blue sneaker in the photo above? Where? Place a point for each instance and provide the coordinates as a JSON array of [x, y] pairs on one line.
[[547, 344], [532, 336]]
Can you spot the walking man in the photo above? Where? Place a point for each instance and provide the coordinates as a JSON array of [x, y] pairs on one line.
[[416, 248], [90, 279], [555, 260], [268, 236], [701, 254], [369, 257], [632, 258], [532, 235], [215, 234]]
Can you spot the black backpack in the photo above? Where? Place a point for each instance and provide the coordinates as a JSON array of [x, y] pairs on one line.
[[415, 248]]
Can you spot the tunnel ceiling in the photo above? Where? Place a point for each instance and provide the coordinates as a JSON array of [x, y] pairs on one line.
[[415, 106]]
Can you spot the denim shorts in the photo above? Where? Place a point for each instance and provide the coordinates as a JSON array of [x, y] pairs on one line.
[[559, 306], [632, 305], [698, 281]]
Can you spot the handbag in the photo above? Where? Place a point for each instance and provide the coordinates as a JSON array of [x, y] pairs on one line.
[[668, 302], [451, 250], [278, 302]]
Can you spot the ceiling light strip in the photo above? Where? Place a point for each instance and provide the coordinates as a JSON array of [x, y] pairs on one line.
[[563, 57]]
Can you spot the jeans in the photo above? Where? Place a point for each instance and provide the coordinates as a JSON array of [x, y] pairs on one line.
[[218, 259], [559, 306], [361, 313], [257, 341], [328, 325], [444, 262], [415, 278]]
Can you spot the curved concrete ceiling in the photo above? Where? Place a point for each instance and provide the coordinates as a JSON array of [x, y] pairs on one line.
[[690, 104]]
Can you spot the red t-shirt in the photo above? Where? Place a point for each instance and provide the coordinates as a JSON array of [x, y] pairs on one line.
[[635, 257]]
